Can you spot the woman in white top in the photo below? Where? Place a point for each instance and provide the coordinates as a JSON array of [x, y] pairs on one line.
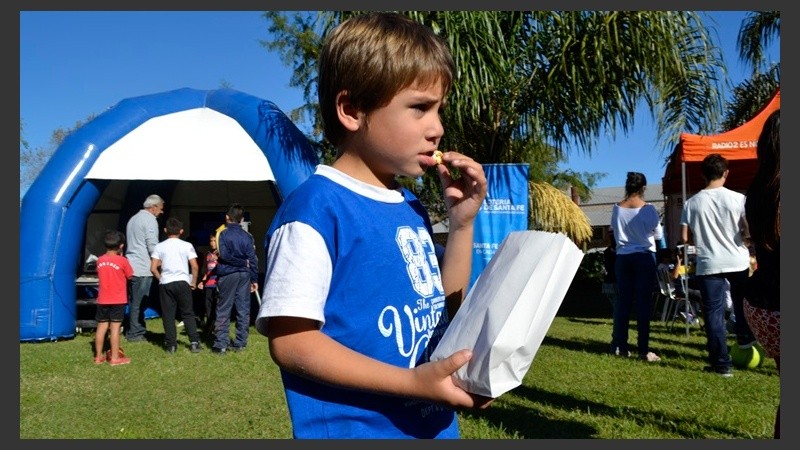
[[636, 227]]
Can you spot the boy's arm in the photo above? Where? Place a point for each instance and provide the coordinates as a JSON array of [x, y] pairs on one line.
[[127, 269], [463, 197], [155, 263], [195, 269], [684, 234], [297, 345], [744, 229], [202, 279], [456, 267]]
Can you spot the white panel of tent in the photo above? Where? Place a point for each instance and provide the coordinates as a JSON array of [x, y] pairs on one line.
[[161, 147]]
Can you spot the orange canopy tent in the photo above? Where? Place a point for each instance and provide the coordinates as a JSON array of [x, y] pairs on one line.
[[738, 146], [682, 177]]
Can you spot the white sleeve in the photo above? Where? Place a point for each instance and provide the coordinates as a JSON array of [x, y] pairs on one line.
[[298, 275], [658, 232]]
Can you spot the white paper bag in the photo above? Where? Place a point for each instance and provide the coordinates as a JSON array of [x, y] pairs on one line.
[[509, 309]]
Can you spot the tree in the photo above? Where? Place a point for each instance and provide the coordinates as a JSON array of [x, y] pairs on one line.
[[750, 96], [533, 86], [32, 161], [757, 31], [23, 143]]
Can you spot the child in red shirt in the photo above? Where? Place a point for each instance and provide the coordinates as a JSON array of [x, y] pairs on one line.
[[113, 273]]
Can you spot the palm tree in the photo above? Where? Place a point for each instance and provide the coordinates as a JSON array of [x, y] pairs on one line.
[[534, 83], [750, 96], [757, 31]]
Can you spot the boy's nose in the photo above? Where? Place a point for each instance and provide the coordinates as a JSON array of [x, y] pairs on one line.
[[436, 132]]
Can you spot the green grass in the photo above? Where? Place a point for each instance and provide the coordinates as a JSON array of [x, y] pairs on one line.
[[572, 390]]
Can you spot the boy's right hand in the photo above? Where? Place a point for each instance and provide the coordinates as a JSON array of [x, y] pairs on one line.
[[436, 377], [463, 196]]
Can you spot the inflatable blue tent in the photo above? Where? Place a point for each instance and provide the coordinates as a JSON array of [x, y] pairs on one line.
[[200, 150]]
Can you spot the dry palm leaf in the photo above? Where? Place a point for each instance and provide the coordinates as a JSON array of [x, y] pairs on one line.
[[551, 210]]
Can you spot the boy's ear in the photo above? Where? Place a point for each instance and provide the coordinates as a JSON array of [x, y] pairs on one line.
[[348, 115]]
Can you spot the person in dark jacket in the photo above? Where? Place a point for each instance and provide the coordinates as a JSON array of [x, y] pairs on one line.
[[237, 278]]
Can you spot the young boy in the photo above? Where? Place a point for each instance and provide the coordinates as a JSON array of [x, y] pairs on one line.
[[237, 278], [715, 217], [356, 296], [113, 272], [174, 257]]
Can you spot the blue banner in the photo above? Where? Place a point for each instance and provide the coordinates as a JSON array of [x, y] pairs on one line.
[[505, 209]]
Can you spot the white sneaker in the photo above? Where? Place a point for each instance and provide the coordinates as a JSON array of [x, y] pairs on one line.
[[650, 357], [180, 324], [618, 353]]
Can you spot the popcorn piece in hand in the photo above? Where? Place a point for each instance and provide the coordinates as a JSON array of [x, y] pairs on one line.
[[438, 157]]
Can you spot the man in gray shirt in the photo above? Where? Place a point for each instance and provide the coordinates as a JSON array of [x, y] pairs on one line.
[[142, 235]]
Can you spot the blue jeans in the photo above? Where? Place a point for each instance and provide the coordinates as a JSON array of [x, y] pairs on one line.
[[636, 278], [234, 292], [712, 288], [139, 294]]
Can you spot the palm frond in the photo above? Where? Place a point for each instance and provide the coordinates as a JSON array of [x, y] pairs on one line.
[[551, 210], [750, 96], [756, 32]]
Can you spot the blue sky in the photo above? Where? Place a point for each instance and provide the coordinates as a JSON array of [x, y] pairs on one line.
[[77, 63]]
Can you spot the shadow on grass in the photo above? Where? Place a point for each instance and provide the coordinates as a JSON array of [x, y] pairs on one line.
[[669, 348], [150, 337], [675, 349], [530, 423]]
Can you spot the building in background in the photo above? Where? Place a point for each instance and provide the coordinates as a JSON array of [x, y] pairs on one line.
[[598, 210]]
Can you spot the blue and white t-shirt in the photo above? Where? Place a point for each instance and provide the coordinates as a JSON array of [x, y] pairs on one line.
[[361, 261]]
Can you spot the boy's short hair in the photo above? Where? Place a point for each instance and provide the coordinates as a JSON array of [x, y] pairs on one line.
[[235, 212], [112, 239], [713, 166], [174, 226], [373, 56]]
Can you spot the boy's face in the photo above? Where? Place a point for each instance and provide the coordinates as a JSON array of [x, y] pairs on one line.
[[400, 137]]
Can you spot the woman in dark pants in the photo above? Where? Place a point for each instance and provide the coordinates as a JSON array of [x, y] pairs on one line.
[[636, 226]]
